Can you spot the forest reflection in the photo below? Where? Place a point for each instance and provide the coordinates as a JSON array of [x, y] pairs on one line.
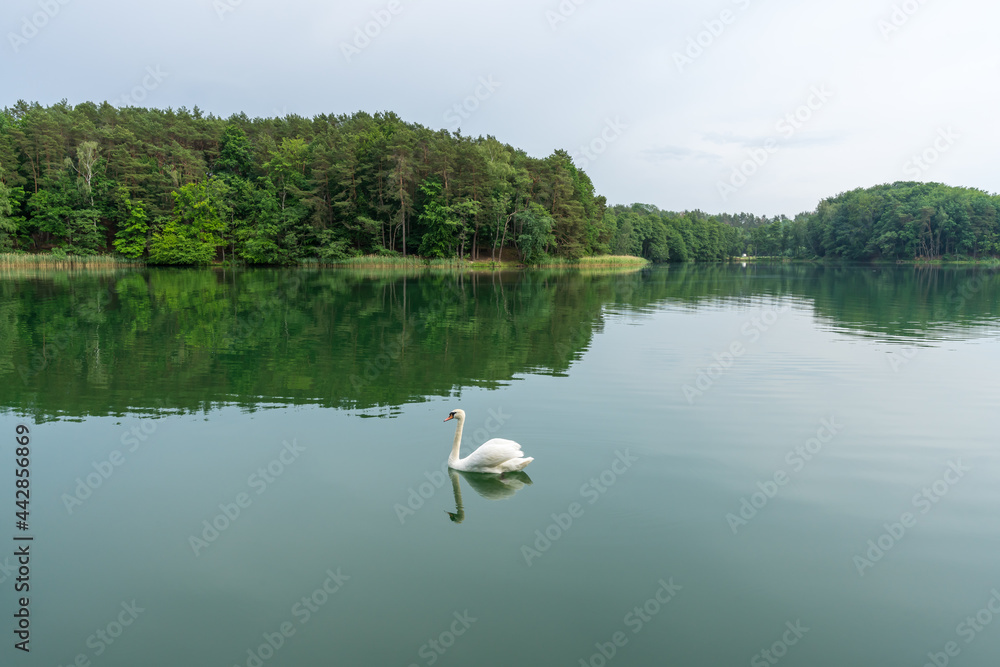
[[118, 342]]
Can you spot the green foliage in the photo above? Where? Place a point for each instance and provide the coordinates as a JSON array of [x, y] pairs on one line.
[[441, 225], [898, 221], [178, 243], [59, 214], [195, 230], [663, 236], [84, 237], [49, 213], [235, 153], [86, 159], [254, 230], [331, 248], [536, 234], [133, 231], [281, 190], [298, 187], [9, 223]]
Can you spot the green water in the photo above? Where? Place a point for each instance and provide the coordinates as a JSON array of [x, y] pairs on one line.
[[728, 460]]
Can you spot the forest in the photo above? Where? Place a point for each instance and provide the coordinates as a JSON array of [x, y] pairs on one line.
[[182, 187], [898, 221]]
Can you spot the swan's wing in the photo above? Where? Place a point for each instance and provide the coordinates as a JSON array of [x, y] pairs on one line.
[[494, 452]]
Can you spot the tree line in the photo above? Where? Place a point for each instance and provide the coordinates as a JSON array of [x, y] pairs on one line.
[[898, 221], [182, 187]]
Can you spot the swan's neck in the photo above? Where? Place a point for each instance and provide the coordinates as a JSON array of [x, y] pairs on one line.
[[459, 515], [458, 440]]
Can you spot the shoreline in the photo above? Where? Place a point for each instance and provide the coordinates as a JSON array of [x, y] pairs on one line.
[[39, 261], [22, 261]]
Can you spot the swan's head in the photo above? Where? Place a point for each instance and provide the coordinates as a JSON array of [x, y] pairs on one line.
[[456, 414]]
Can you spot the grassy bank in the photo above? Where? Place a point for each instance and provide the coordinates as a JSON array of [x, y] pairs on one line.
[[22, 260], [396, 262], [595, 262], [411, 262], [62, 261], [983, 261]]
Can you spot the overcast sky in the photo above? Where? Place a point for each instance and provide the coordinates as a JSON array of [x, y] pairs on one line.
[[764, 106]]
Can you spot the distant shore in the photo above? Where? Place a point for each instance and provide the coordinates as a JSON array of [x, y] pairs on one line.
[[62, 261], [28, 261], [919, 261]]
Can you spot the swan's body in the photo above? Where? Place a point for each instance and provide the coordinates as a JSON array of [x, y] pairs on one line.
[[494, 456]]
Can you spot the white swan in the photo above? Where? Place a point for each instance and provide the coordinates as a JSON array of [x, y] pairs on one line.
[[496, 455]]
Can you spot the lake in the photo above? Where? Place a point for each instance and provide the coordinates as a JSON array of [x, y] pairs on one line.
[[734, 464]]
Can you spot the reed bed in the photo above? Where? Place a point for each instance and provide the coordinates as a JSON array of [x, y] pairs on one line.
[[411, 262], [27, 262], [597, 261]]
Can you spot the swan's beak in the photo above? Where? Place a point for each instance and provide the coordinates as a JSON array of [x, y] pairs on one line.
[[449, 417]]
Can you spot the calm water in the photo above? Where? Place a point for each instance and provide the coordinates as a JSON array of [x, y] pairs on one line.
[[248, 469]]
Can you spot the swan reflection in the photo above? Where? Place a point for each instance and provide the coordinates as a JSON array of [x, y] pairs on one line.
[[487, 485]]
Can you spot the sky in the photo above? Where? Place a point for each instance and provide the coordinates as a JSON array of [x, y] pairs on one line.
[[758, 106]]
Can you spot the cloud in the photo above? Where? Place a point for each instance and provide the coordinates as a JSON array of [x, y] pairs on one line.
[[561, 85], [665, 153]]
